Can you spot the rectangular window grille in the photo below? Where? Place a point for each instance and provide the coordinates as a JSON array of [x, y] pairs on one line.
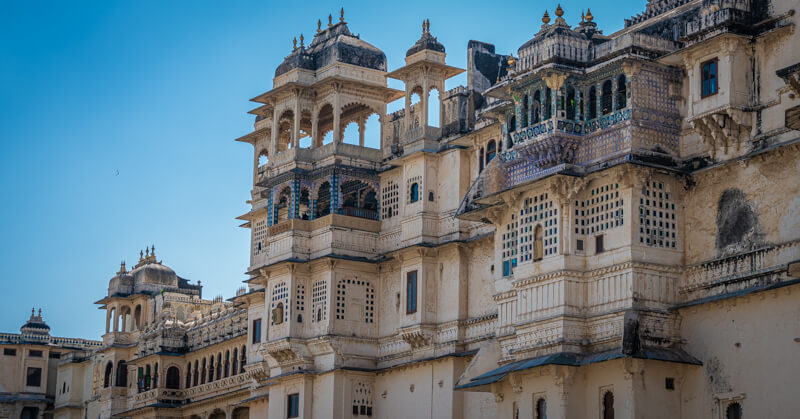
[[602, 210], [411, 292], [34, 377], [709, 77], [293, 406], [35, 354], [9, 352], [391, 199], [280, 295], [257, 331], [54, 355], [259, 237], [319, 305], [657, 216]]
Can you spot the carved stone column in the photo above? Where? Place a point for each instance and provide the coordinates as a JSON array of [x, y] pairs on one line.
[[337, 113]]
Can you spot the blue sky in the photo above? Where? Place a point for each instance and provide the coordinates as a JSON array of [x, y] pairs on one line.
[[118, 119]]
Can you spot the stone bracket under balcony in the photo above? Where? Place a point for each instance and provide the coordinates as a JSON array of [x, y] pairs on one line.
[[723, 131]]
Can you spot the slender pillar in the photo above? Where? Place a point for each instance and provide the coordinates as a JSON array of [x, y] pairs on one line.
[[296, 124], [337, 117], [407, 117], [276, 126], [425, 97], [315, 129], [361, 126]]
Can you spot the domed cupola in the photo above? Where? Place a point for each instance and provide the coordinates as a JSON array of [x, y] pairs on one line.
[[150, 275], [426, 42], [336, 44], [35, 328]]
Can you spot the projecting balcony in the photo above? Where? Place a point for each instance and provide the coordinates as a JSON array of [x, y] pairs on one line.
[[349, 232], [315, 158]]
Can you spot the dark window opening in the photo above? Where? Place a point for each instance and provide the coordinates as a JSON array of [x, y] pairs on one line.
[[122, 374], [537, 106], [579, 244], [669, 383], [622, 92], [34, 377], [592, 103], [571, 103], [35, 354], [107, 375], [173, 378], [708, 78], [323, 201], [608, 405], [598, 244], [9, 352], [491, 150], [54, 355], [605, 98], [734, 411], [541, 409]]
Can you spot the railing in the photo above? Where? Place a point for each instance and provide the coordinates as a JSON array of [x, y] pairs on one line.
[[358, 212], [716, 19], [421, 132], [738, 267], [160, 395]]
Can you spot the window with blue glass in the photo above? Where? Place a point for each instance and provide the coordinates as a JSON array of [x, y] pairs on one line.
[[411, 292], [414, 192], [293, 404], [709, 77]]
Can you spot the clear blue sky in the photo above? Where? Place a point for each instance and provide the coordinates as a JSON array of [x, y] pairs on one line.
[[157, 91]]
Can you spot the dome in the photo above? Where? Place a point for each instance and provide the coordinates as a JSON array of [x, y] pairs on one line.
[[335, 44], [426, 42], [35, 325], [154, 273]]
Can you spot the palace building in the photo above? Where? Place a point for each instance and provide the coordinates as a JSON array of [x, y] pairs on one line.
[[596, 226]]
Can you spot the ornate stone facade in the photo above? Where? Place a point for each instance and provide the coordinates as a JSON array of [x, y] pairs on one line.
[[597, 226]]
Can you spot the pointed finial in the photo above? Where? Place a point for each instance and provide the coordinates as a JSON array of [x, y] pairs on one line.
[[512, 62], [33, 311], [153, 252], [589, 16], [301, 41], [40, 312], [423, 26], [583, 16], [341, 15], [141, 255], [294, 43], [546, 18], [147, 251], [559, 11], [319, 26], [428, 26], [330, 20]]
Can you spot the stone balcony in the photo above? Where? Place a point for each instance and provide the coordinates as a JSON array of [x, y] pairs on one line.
[[760, 267], [120, 338], [315, 158], [342, 234], [168, 396]]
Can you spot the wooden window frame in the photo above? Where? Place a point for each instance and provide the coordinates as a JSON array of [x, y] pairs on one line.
[[714, 61], [256, 337], [411, 292], [293, 405]]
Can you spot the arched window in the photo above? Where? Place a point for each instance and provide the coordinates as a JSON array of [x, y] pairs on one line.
[[538, 243], [414, 193], [195, 374], [277, 314], [592, 103], [541, 409], [282, 205], [733, 411], [227, 363], [137, 317], [219, 365], [608, 405], [173, 378], [203, 373], [491, 150], [235, 361], [147, 378], [480, 160], [622, 92], [302, 208], [244, 360], [211, 368], [571, 104], [188, 375], [323, 203], [537, 106], [122, 374], [548, 103], [605, 98], [524, 112], [155, 376], [107, 375]]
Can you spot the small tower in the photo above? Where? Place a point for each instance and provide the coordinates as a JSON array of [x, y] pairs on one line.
[[425, 70]]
